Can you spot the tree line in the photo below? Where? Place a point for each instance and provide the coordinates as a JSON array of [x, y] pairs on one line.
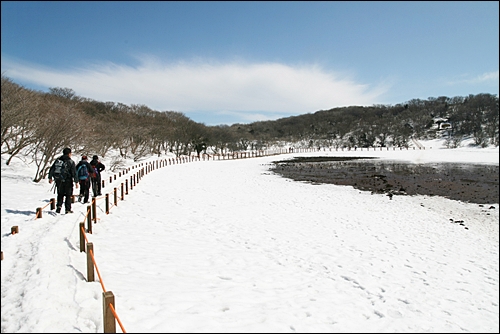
[[39, 125]]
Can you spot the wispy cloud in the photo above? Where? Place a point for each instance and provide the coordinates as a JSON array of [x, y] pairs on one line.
[[482, 78], [254, 91]]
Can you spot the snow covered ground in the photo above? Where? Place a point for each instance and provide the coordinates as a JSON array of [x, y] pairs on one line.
[[227, 246]]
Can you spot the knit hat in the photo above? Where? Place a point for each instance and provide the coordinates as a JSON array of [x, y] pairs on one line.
[[84, 157], [95, 157], [66, 151]]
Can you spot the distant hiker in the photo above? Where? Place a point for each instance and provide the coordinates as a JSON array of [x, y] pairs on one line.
[[63, 171], [83, 170], [98, 167]]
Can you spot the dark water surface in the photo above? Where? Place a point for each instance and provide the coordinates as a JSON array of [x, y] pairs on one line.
[[472, 183]]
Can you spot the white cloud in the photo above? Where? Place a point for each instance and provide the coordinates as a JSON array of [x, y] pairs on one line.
[[482, 78], [255, 91], [490, 76]]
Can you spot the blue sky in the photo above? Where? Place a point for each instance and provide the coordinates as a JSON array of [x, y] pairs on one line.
[[240, 62]]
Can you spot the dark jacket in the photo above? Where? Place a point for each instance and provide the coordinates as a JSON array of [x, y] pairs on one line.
[[84, 162], [71, 172], [99, 166]]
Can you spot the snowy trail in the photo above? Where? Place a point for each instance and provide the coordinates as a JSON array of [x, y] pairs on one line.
[[48, 254]]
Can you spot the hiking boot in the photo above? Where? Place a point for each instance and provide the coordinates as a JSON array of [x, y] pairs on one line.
[[58, 210], [69, 211]]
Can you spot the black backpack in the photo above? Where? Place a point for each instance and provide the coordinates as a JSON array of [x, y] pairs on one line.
[[61, 170]]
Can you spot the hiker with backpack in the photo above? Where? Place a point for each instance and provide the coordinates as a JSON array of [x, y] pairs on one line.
[[83, 170], [63, 171], [98, 167]]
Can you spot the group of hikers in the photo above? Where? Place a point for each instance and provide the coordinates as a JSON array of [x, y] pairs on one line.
[[84, 174]]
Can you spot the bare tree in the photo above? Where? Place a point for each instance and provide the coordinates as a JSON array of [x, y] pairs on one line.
[[66, 93], [19, 118], [58, 127]]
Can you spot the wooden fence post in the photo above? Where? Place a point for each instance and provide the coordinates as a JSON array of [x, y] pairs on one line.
[[94, 209], [90, 263], [14, 230], [89, 219], [82, 237], [107, 204], [52, 203], [115, 196], [108, 316], [39, 212]]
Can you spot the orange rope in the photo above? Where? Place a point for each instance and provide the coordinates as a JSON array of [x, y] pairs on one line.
[[102, 285], [36, 215], [86, 215], [97, 269], [85, 235], [104, 289], [116, 317]]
